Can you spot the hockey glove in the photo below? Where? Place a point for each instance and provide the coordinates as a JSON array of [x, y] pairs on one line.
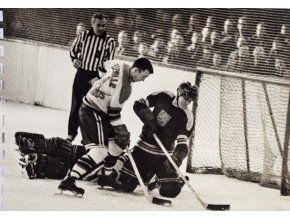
[[28, 163], [44, 166], [148, 118], [122, 136], [180, 152]]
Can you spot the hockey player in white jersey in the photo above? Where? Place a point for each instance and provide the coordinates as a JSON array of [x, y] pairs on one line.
[[103, 133]]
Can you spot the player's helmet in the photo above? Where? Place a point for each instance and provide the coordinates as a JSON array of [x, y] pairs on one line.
[[187, 91]]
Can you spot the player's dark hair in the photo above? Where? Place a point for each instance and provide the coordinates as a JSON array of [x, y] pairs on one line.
[[99, 16], [143, 64]]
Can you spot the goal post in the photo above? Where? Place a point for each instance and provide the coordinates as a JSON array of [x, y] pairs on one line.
[[242, 128]]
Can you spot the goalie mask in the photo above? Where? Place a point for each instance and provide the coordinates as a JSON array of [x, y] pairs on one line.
[[188, 91]]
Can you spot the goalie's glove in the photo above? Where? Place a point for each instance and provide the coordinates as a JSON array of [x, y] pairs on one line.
[[149, 127], [28, 163], [122, 136], [44, 166]]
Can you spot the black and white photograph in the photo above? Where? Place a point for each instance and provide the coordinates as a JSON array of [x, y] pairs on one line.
[[144, 108]]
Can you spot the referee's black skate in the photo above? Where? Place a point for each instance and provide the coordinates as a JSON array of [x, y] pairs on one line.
[[68, 184]]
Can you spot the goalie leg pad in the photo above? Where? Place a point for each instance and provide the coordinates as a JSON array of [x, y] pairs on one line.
[[28, 135], [28, 145], [58, 147]]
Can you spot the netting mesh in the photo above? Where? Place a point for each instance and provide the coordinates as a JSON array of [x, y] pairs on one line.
[[240, 129], [235, 39]]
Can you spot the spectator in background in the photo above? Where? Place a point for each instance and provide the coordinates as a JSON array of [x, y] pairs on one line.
[[261, 38], [205, 35], [244, 31], [193, 26], [79, 29], [138, 22], [209, 45], [172, 42], [143, 50], [177, 23], [285, 31], [194, 50], [119, 22], [227, 41], [217, 59], [282, 63], [243, 28], [88, 57], [215, 50], [137, 39], [157, 50], [123, 44], [176, 54], [163, 19], [260, 63], [206, 59], [208, 22], [214, 38], [240, 60], [282, 37]]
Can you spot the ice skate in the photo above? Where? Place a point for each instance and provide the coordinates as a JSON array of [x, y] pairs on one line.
[[68, 184]]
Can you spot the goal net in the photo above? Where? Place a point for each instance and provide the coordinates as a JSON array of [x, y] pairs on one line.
[[241, 128]]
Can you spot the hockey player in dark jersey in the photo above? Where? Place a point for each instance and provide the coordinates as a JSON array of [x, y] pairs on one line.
[[172, 121]]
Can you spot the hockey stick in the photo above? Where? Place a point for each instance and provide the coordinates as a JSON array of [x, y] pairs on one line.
[[203, 203], [151, 199]]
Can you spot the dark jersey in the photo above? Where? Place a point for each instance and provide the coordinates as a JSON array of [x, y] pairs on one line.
[[174, 124]]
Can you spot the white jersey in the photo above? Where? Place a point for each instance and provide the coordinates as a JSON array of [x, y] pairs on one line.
[[110, 93]]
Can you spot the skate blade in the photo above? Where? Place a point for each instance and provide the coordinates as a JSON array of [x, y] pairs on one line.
[[69, 194]]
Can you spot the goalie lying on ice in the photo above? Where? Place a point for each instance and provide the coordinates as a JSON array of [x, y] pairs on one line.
[[172, 122], [46, 157]]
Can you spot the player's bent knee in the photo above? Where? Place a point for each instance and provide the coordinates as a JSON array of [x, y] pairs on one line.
[[113, 148], [170, 189], [98, 153]]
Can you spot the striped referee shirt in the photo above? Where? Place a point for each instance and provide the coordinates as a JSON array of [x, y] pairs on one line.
[[93, 50]]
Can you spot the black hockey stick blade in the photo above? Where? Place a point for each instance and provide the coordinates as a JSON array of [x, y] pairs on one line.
[[218, 207], [160, 201]]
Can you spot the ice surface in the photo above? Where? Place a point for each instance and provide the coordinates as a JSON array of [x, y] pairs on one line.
[[20, 193]]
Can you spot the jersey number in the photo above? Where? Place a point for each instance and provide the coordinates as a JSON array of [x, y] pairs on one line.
[[98, 93]]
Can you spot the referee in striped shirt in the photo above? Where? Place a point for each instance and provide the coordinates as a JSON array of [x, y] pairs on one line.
[[88, 53]]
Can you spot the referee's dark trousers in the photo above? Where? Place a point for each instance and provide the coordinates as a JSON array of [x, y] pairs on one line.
[[81, 86]]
